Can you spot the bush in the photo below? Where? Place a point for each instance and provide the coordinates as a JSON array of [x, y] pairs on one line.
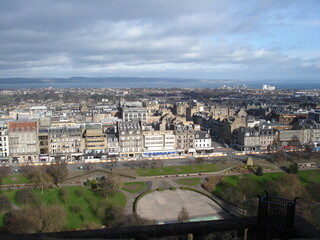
[[75, 209], [293, 168], [94, 184], [5, 204], [259, 171], [211, 182], [80, 192]]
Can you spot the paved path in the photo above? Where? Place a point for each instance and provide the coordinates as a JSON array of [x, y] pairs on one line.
[[165, 205]]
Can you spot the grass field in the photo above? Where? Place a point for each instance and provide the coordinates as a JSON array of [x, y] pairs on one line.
[[134, 187], [15, 179], [309, 176], [190, 181], [305, 176], [177, 170], [87, 202]]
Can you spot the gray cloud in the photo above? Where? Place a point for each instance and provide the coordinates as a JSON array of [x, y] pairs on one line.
[[206, 39]]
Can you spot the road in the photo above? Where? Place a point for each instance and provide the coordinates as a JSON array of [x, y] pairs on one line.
[[76, 166]]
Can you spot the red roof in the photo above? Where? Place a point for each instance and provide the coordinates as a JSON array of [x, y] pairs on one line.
[[22, 126]]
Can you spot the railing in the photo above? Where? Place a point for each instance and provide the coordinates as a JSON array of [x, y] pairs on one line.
[[275, 215]]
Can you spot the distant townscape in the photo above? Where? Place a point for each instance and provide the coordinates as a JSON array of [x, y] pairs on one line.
[[43, 125]]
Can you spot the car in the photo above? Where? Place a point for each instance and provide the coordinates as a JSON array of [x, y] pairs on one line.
[[17, 170], [83, 168]]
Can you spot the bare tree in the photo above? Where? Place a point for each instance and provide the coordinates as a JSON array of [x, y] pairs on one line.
[[5, 204], [183, 215], [58, 172], [26, 196], [36, 218], [109, 184], [200, 160], [41, 178]]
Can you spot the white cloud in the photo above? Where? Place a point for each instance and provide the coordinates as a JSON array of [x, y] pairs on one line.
[[180, 38]]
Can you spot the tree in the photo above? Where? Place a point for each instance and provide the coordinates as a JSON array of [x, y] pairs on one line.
[[64, 193], [314, 190], [5, 204], [295, 142], [293, 168], [289, 186], [4, 171], [36, 218], [200, 160], [109, 184], [58, 171], [259, 171], [41, 178], [26, 196], [210, 183], [279, 156], [183, 215]]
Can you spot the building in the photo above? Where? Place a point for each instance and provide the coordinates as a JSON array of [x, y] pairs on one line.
[[65, 143], [4, 142], [133, 112], [310, 131], [184, 139], [194, 108], [253, 139], [23, 141], [288, 117], [180, 108], [113, 149], [130, 139], [39, 111], [94, 141], [268, 87], [43, 140], [158, 143], [202, 141]]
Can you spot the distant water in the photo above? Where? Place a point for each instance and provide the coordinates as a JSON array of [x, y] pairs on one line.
[[160, 84]]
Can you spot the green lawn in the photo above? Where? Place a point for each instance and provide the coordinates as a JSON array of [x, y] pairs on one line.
[[177, 170], [190, 181], [87, 202], [15, 179], [308, 176], [134, 187]]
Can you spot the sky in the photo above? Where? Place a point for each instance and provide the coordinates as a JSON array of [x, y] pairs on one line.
[[203, 39]]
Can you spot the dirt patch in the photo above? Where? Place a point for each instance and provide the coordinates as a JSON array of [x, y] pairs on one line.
[[132, 187], [14, 179], [177, 169]]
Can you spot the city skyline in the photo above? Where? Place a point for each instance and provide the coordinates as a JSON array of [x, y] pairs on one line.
[[247, 40]]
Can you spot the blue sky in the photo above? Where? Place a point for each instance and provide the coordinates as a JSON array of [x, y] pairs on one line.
[[205, 39]]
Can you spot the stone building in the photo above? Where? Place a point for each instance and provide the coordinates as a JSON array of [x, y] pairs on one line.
[[133, 112], [180, 108], [184, 139], [253, 139], [130, 139], [65, 143], [23, 141], [113, 149]]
